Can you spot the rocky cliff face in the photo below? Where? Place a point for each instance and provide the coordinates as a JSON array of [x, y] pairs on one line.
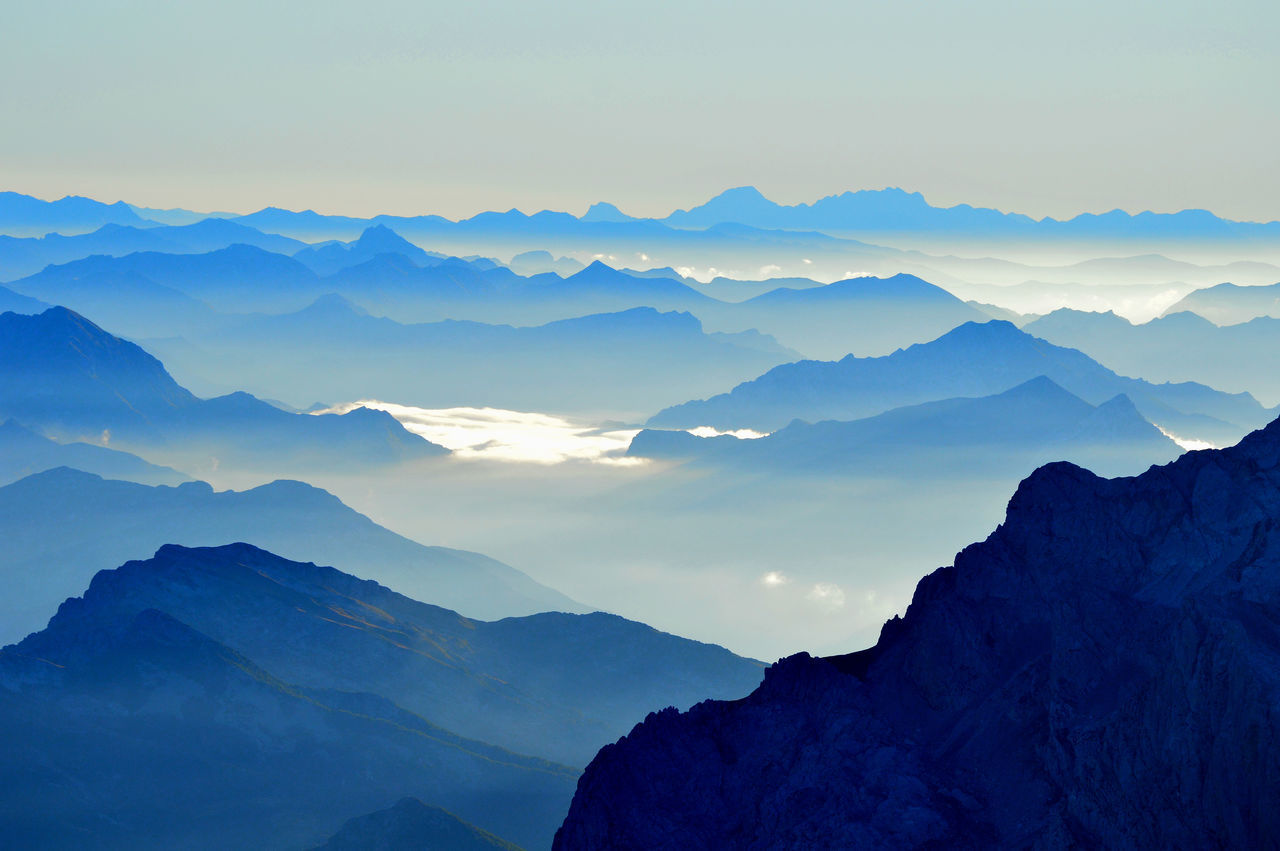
[[1102, 671]]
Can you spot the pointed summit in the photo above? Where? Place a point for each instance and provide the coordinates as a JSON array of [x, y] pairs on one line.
[[742, 204], [603, 211]]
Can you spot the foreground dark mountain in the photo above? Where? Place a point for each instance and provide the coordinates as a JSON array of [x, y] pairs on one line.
[[976, 359], [1176, 347], [294, 695], [411, 825], [1100, 672], [66, 376], [62, 526], [1001, 435]]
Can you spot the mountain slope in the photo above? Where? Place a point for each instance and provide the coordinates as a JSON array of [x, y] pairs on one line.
[[1100, 672], [66, 376], [252, 671], [1004, 434], [176, 740], [863, 316], [23, 452], [62, 526], [627, 363], [1230, 304], [976, 359], [1176, 347], [411, 825], [22, 256]]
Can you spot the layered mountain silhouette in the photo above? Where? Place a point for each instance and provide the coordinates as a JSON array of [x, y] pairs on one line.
[[895, 210], [975, 359], [61, 526], [1008, 433], [329, 258], [23, 215], [862, 316], [22, 256], [11, 301], [628, 362], [291, 694], [66, 376], [24, 452], [1230, 304], [1100, 672], [1176, 347]]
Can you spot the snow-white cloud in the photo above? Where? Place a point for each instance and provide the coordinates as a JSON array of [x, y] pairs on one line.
[[500, 435]]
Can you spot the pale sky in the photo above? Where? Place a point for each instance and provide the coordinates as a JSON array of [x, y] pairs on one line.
[[404, 106]]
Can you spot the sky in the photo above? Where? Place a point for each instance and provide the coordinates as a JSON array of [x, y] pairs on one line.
[[401, 106]]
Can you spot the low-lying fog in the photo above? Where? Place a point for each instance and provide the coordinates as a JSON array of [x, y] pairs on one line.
[[766, 566]]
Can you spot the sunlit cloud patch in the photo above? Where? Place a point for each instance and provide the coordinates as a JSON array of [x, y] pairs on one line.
[[740, 433], [496, 434]]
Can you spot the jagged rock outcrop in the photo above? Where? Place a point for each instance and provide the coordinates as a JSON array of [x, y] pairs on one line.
[[1102, 672]]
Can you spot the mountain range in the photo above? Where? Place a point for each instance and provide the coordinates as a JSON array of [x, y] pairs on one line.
[[291, 694], [975, 359], [623, 363], [24, 452], [1180, 346], [65, 376], [61, 526], [1230, 304], [1007, 433], [1100, 672]]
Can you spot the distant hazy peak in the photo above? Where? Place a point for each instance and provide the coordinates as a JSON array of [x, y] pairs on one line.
[[603, 211]]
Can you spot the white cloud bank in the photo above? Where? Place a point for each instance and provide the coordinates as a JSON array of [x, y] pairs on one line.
[[496, 434]]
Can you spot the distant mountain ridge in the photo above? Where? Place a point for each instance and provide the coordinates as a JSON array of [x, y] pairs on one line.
[[893, 210], [975, 359], [66, 376], [1006, 433], [63, 525]]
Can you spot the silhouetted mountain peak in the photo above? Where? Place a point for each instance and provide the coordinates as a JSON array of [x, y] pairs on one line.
[[380, 239], [603, 211], [1100, 660]]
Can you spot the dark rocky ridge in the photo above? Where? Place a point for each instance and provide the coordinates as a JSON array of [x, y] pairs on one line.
[[1102, 672]]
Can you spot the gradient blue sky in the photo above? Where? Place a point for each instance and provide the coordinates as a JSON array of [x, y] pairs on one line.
[[402, 107]]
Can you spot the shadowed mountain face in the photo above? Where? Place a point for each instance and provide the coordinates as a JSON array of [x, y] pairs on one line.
[[289, 694], [62, 526], [1176, 347], [972, 360], [1229, 304], [411, 825], [63, 374], [1100, 672], [1004, 434]]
